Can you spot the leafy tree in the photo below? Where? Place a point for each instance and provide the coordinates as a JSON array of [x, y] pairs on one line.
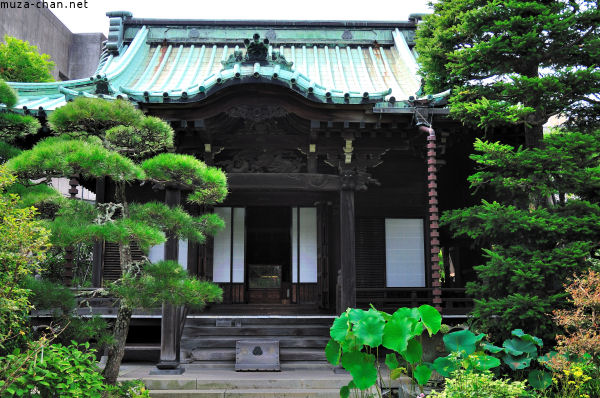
[[514, 63], [532, 247], [89, 147], [23, 242], [22, 62]]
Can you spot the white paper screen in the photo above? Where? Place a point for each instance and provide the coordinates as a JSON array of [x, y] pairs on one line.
[[182, 253], [294, 233], [222, 248], [404, 252], [156, 253], [308, 245], [239, 237]]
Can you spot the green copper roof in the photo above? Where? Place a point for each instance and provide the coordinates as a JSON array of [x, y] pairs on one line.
[[186, 61]]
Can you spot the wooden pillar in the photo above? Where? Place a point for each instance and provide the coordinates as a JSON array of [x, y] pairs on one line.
[[347, 236], [433, 211], [170, 322], [98, 254]]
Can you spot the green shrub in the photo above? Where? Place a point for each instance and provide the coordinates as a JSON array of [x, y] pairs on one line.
[[14, 126], [465, 384], [8, 96], [94, 116], [54, 371], [7, 151], [127, 389]]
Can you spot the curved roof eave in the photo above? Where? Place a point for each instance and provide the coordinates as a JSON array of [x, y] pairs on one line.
[[116, 78]]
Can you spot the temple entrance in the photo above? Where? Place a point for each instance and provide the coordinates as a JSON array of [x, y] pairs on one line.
[[268, 254]]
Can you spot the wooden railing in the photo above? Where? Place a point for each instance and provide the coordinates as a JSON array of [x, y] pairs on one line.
[[454, 300]]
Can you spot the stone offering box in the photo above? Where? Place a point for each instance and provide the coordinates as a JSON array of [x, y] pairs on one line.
[[257, 355]]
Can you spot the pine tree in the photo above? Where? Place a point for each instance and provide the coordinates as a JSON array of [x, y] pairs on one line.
[[112, 140], [514, 63]]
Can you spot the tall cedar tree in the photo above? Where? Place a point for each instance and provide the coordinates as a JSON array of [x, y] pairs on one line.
[[513, 65], [514, 62], [531, 250], [113, 140]]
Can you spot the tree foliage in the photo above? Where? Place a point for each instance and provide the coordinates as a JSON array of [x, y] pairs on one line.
[[532, 246], [93, 117], [58, 156], [22, 62], [8, 96], [166, 282], [515, 62], [23, 242]]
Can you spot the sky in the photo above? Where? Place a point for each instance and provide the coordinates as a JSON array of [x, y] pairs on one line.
[[93, 18]]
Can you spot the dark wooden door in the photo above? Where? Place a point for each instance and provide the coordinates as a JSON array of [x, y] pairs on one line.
[[268, 248]]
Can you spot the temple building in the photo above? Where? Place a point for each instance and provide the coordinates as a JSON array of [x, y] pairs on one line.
[[338, 167]]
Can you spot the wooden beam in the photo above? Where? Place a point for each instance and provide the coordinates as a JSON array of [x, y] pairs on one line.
[[283, 181]]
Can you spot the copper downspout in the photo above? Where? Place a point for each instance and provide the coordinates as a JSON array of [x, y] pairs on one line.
[[434, 234]]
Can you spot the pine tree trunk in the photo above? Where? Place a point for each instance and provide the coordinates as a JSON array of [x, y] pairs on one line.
[[116, 350]]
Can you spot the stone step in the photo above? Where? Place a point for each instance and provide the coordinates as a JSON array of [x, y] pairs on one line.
[[251, 393], [229, 342], [229, 321], [191, 331], [228, 354], [246, 381], [291, 365]]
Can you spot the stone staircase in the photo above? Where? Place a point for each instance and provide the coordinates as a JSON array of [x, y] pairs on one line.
[[210, 340], [204, 383]]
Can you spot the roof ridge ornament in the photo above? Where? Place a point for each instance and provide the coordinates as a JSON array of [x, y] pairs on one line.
[[256, 51], [116, 30]]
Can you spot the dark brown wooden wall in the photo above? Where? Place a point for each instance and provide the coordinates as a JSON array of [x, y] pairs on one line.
[[402, 194], [403, 188]]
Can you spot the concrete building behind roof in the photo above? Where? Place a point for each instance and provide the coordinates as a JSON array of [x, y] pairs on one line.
[[75, 54]]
